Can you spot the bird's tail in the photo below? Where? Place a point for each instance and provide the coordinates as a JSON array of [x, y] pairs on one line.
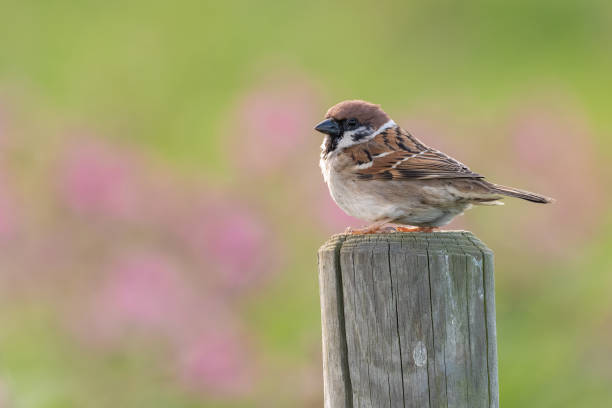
[[525, 195]]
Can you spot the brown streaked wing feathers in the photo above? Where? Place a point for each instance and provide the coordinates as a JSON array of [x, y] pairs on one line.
[[411, 158]]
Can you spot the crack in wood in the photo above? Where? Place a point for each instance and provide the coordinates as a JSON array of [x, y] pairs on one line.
[[409, 321]]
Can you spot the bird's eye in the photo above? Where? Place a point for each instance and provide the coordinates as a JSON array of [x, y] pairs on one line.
[[351, 124]]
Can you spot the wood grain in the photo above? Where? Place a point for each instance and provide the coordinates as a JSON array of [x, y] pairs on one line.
[[408, 321]]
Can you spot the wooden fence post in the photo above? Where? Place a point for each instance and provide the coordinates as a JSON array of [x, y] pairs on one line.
[[408, 321]]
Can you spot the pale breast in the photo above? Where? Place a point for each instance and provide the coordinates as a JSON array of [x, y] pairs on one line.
[[355, 197], [419, 202]]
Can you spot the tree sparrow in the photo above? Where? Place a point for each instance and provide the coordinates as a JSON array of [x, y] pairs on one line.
[[380, 173]]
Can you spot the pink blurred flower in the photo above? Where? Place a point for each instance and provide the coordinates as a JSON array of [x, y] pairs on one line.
[[556, 152], [233, 239], [142, 291], [271, 123], [3, 127], [145, 293], [8, 212], [148, 293], [216, 362], [100, 179], [7, 204]]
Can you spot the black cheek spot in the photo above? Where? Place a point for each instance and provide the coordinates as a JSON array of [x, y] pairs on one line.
[[358, 136]]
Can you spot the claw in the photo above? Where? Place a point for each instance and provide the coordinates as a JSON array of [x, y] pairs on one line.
[[372, 229], [362, 231], [381, 227], [377, 227], [416, 229]]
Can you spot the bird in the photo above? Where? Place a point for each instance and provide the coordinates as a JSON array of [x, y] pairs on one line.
[[380, 173]]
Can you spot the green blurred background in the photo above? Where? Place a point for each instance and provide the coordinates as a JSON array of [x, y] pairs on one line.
[[161, 204]]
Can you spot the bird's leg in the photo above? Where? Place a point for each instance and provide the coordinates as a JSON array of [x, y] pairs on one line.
[[370, 229], [416, 229]]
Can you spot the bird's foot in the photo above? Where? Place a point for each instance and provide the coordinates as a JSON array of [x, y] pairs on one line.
[[378, 227], [371, 229], [416, 229]]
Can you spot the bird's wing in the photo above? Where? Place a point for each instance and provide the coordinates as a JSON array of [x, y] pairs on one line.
[[397, 155]]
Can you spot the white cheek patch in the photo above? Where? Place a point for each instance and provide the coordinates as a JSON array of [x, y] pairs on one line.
[[347, 138], [382, 128]]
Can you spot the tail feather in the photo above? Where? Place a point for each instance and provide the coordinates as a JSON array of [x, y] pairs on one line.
[[525, 195]]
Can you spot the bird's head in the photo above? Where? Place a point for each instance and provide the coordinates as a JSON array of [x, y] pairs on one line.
[[352, 122]]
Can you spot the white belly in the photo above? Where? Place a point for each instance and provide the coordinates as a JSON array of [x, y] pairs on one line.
[[359, 199], [363, 206], [354, 200]]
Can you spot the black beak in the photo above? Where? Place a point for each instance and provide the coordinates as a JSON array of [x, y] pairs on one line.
[[329, 127]]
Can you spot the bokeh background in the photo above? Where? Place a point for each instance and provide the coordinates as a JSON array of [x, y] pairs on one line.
[[161, 203]]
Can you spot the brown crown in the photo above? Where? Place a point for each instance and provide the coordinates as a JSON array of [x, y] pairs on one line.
[[365, 112]]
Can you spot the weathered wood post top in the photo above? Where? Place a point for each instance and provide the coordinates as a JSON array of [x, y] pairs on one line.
[[408, 321]]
